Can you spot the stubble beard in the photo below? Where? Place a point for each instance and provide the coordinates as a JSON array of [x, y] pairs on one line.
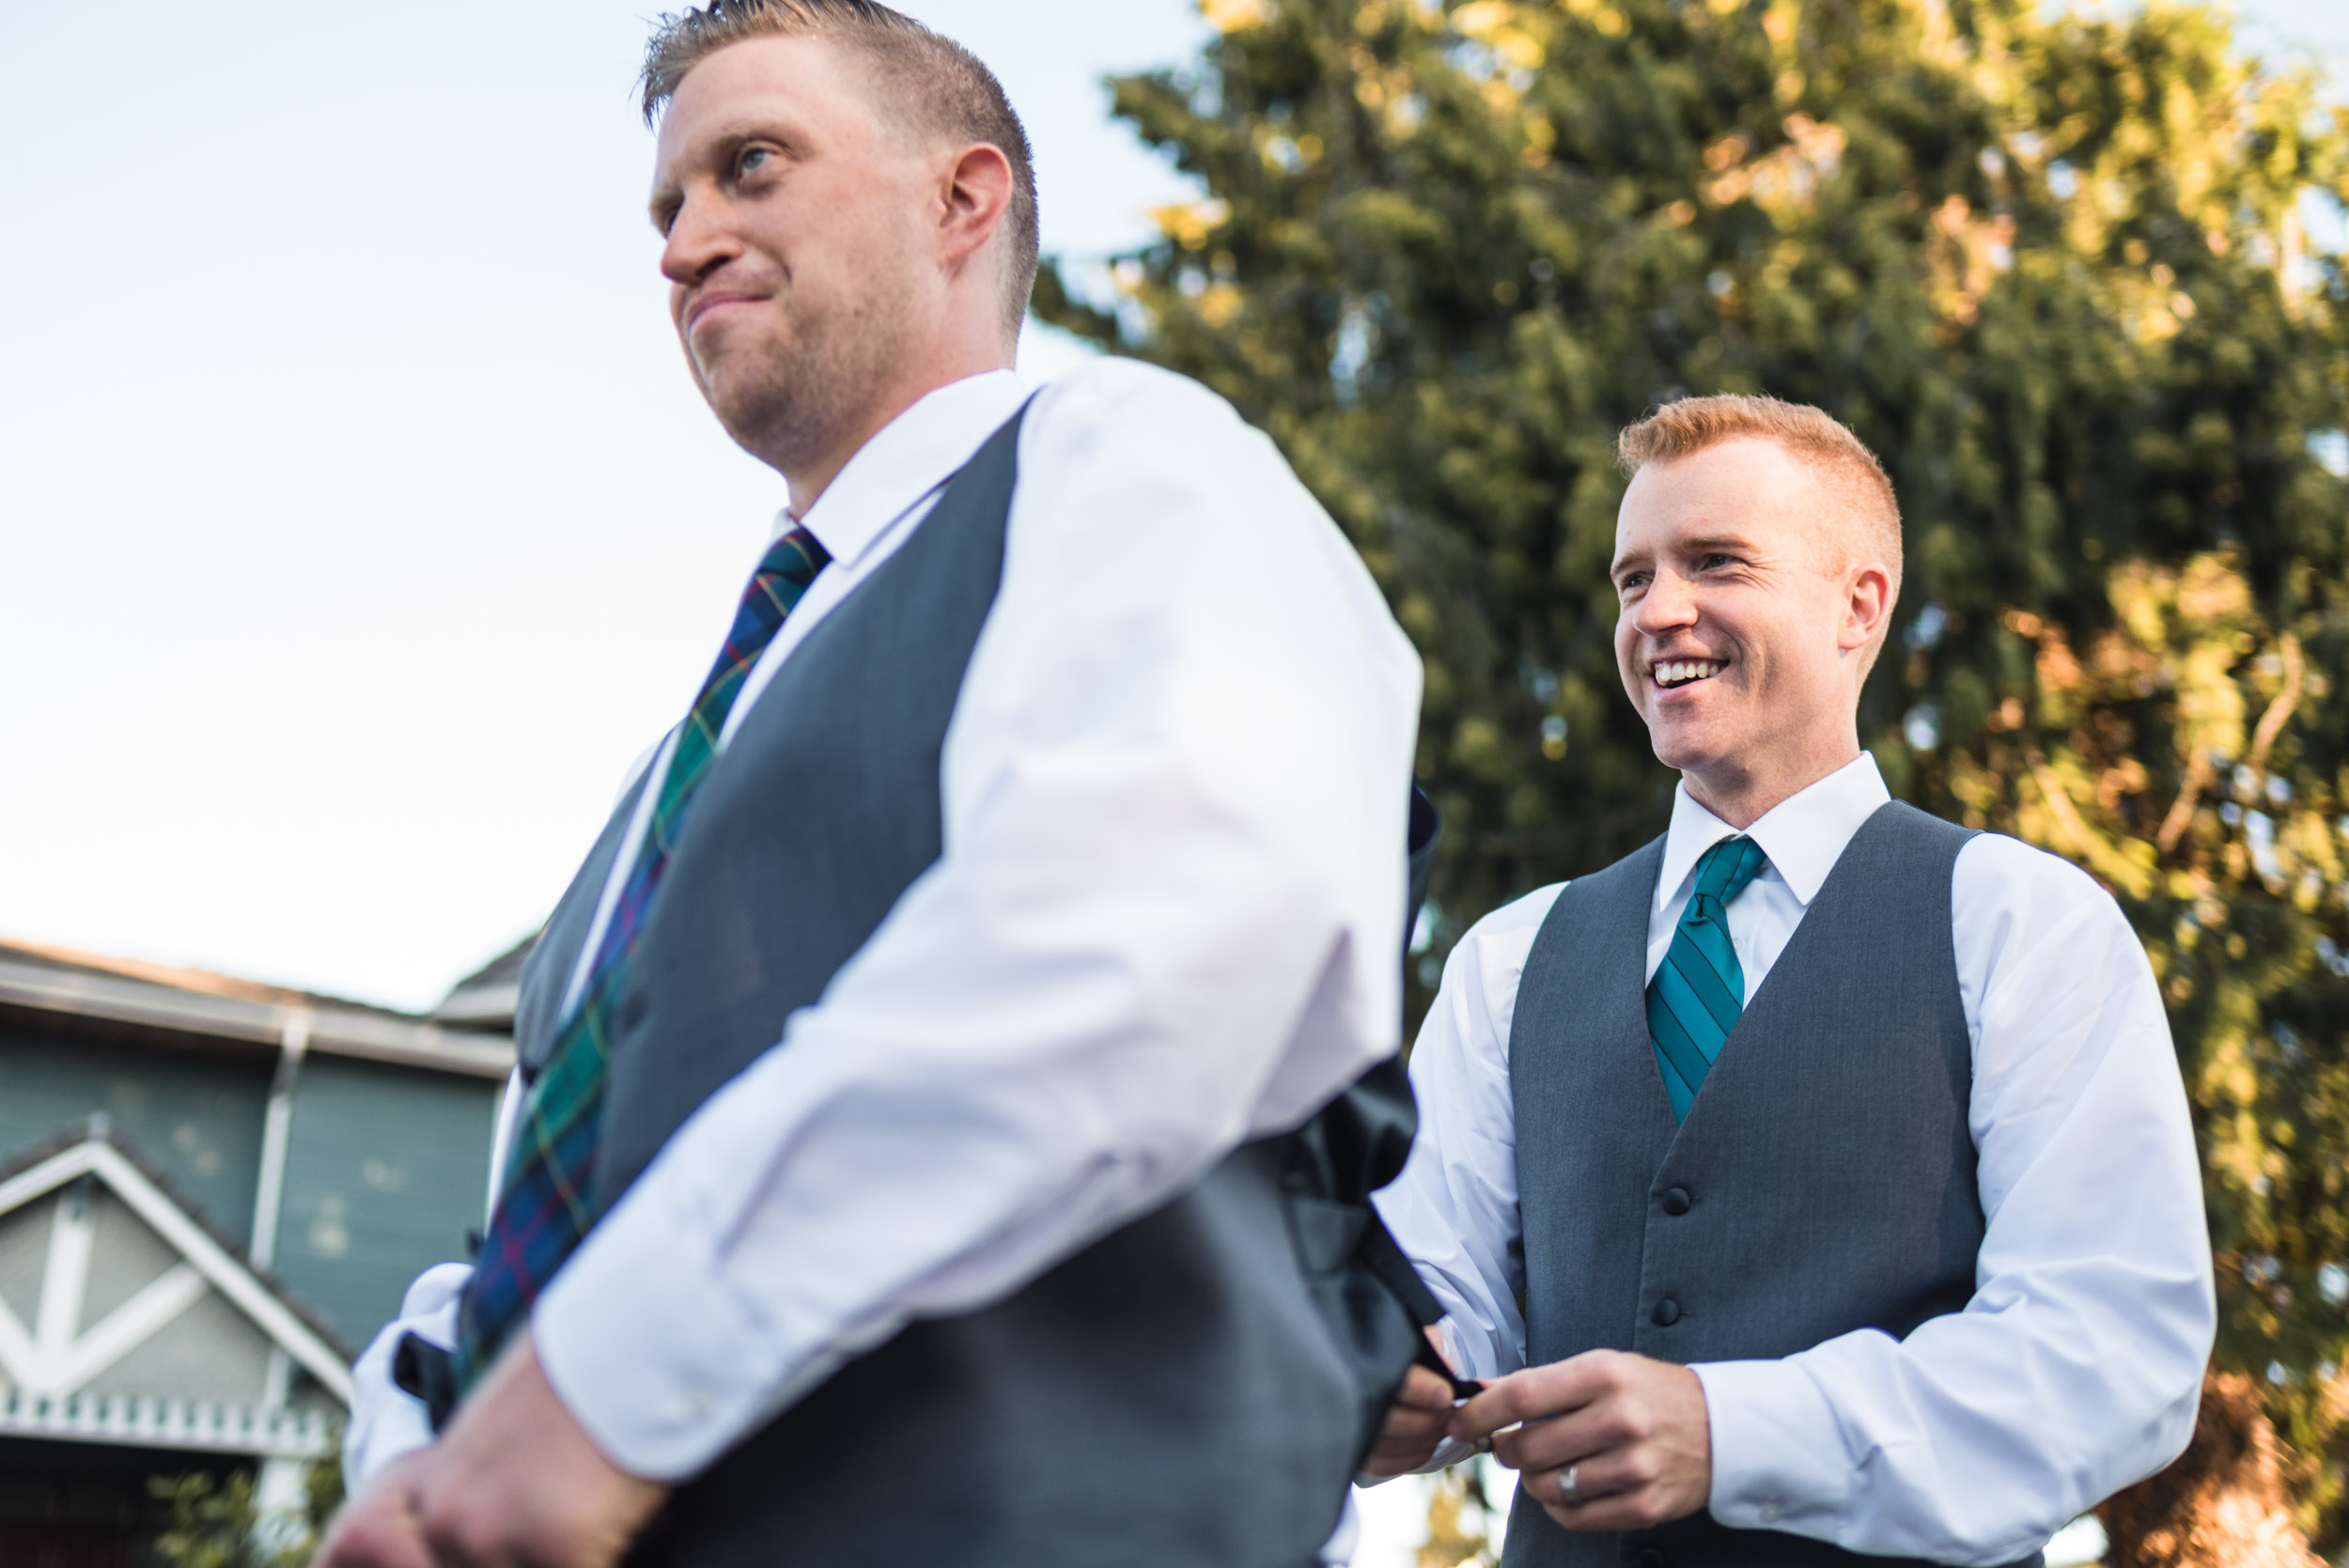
[[810, 387]]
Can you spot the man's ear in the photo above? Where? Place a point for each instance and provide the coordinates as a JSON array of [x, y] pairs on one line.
[[1868, 601], [976, 196]]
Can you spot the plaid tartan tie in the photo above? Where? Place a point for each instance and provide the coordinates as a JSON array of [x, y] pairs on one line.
[[542, 1208], [1699, 991]]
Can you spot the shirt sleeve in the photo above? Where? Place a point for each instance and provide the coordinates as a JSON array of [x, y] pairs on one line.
[[386, 1421], [1454, 1210], [2077, 1367], [1166, 919]]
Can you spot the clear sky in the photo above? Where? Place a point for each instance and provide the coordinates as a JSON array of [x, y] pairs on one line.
[[2316, 31], [361, 525], [358, 526]]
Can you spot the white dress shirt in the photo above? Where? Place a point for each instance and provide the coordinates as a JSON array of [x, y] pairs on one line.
[[1166, 919], [2076, 1368]]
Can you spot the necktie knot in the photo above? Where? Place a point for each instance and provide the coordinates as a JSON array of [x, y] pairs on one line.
[[794, 559], [1728, 867], [782, 575]]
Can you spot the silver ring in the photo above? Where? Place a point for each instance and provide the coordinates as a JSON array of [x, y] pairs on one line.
[[1568, 1493]]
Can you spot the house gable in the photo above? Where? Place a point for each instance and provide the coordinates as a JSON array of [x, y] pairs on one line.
[[123, 1320]]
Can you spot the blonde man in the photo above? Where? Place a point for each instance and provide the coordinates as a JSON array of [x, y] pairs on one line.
[[902, 1175], [1816, 1182]]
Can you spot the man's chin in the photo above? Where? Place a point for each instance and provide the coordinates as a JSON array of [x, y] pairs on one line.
[[766, 420], [1685, 748]]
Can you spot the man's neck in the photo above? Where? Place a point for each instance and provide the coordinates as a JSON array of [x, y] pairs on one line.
[[809, 477], [1743, 796]]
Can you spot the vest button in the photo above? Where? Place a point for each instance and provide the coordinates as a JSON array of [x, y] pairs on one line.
[[1676, 1200], [1667, 1312]]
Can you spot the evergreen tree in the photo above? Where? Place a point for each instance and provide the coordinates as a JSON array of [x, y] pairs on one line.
[[2052, 267]]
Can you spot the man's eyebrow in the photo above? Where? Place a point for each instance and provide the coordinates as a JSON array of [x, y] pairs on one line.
[[1740, 544], [716, 148]]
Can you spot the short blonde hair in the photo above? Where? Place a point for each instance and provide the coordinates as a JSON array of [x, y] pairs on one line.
[[1838, 461], [924, 81]]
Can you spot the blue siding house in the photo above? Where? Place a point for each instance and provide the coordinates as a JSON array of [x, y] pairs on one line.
[[211, 1193]]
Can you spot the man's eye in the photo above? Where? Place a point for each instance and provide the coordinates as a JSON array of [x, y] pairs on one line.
[[1716, 560], [751, 161]]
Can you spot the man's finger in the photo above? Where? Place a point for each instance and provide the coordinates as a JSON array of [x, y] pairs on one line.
[[1405, 1424], [1572, 1439], [1634, 1510], [1423, 1390], [1533, 1395], [1612, 1474], [1408, 1440], [1612, 1491], [1401, 1455]]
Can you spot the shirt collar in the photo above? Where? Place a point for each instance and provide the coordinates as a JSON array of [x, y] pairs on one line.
[[1804, 836], [910, 457]]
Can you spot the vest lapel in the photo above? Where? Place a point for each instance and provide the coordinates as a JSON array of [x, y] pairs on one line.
[[547, 972], [1798, 951]]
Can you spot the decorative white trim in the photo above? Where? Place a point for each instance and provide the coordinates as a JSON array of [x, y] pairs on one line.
[[19, 1357], [269, 1192], [124, 1330], [65, 1277], [217, 1269], [169, 1423]]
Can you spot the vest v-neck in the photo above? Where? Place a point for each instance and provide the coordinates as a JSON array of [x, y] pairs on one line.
[[1822, 1183], [1798, 952]]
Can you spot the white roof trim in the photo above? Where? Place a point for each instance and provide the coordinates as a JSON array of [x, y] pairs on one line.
[[334, 1031], [235, 1283], [170, 1423]]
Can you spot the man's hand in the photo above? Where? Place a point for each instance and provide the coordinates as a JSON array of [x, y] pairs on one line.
[[513, 1483], [1415, 1425], [379, 1528], [1634, 1433]]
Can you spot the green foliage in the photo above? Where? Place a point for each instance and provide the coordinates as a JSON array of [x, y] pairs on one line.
[[2051, 266], [215, 1523]]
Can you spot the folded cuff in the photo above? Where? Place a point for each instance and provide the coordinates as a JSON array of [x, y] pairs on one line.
[[385, 1422], [1778, 1458], [661, 1364]]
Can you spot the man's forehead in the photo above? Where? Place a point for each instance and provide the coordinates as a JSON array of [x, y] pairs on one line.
[[1757, 498], [1675, 530], [762, 86]]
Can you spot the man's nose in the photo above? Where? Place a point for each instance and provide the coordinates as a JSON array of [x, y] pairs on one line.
[[1668, 605], [699, 242]]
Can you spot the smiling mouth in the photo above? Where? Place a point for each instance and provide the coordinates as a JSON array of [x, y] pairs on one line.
[[1686, 672]]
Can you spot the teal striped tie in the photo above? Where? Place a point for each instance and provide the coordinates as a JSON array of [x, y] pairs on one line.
[[1700, 987]]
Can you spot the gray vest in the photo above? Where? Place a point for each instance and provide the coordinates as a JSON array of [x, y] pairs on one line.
[[1822, 1183], [1177, 1396]]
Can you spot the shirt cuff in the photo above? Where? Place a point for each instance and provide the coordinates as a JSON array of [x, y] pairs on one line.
[[387, 1422], [661, 1364], [1778, 1457]]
